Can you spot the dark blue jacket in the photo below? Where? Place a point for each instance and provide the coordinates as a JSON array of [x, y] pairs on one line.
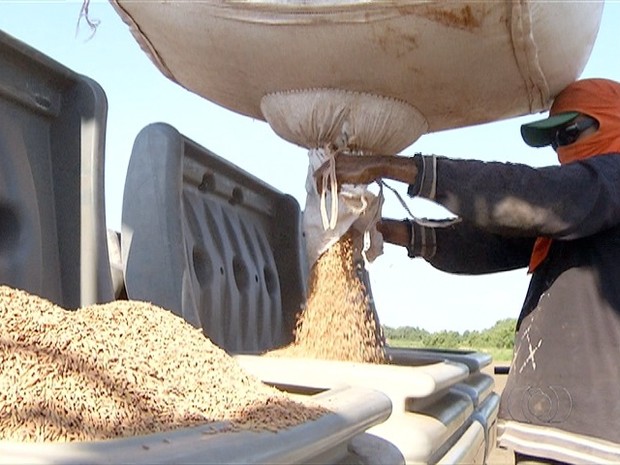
[[562, 398]]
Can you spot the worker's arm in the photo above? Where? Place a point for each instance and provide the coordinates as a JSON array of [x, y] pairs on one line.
[[562, 202], [456, 246]]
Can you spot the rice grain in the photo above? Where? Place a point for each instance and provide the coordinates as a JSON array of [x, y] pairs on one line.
[[122, 369], [338, 321]]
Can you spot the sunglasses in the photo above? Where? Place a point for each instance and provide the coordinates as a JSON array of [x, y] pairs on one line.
[[567, 135]]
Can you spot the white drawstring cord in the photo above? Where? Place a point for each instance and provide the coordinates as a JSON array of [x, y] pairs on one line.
[[329, 222]]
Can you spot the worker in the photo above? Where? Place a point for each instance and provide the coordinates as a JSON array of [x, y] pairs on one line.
[[561, 403]]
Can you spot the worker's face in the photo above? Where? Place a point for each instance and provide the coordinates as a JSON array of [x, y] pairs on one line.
[[578, 129]]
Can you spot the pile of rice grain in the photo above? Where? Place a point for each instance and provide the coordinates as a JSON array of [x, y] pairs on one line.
[[121, 369], [338, 321]]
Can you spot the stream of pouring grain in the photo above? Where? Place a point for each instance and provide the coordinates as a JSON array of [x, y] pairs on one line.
[[122, 369], [338, 322]]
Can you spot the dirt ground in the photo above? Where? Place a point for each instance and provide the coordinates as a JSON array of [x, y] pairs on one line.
[[499, 456]]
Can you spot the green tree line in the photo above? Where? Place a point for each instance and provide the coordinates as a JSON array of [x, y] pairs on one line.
[[499, 336]]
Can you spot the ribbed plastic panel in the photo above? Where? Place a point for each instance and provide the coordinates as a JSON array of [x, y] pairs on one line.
[[478, 386], [469, 449], [212, 243], [52, 215], [435, 401], [486, 414], [475, 361]]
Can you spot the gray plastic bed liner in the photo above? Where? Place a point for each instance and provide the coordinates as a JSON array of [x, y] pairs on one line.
[[325, 440], [52, 215], [475, 361], [440, 408], [211, 242]]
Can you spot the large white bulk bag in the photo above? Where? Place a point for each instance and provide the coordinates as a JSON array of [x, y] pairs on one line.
[[367, 76], [457, 62]]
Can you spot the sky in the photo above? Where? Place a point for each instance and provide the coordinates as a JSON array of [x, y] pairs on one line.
[[406, 292]]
